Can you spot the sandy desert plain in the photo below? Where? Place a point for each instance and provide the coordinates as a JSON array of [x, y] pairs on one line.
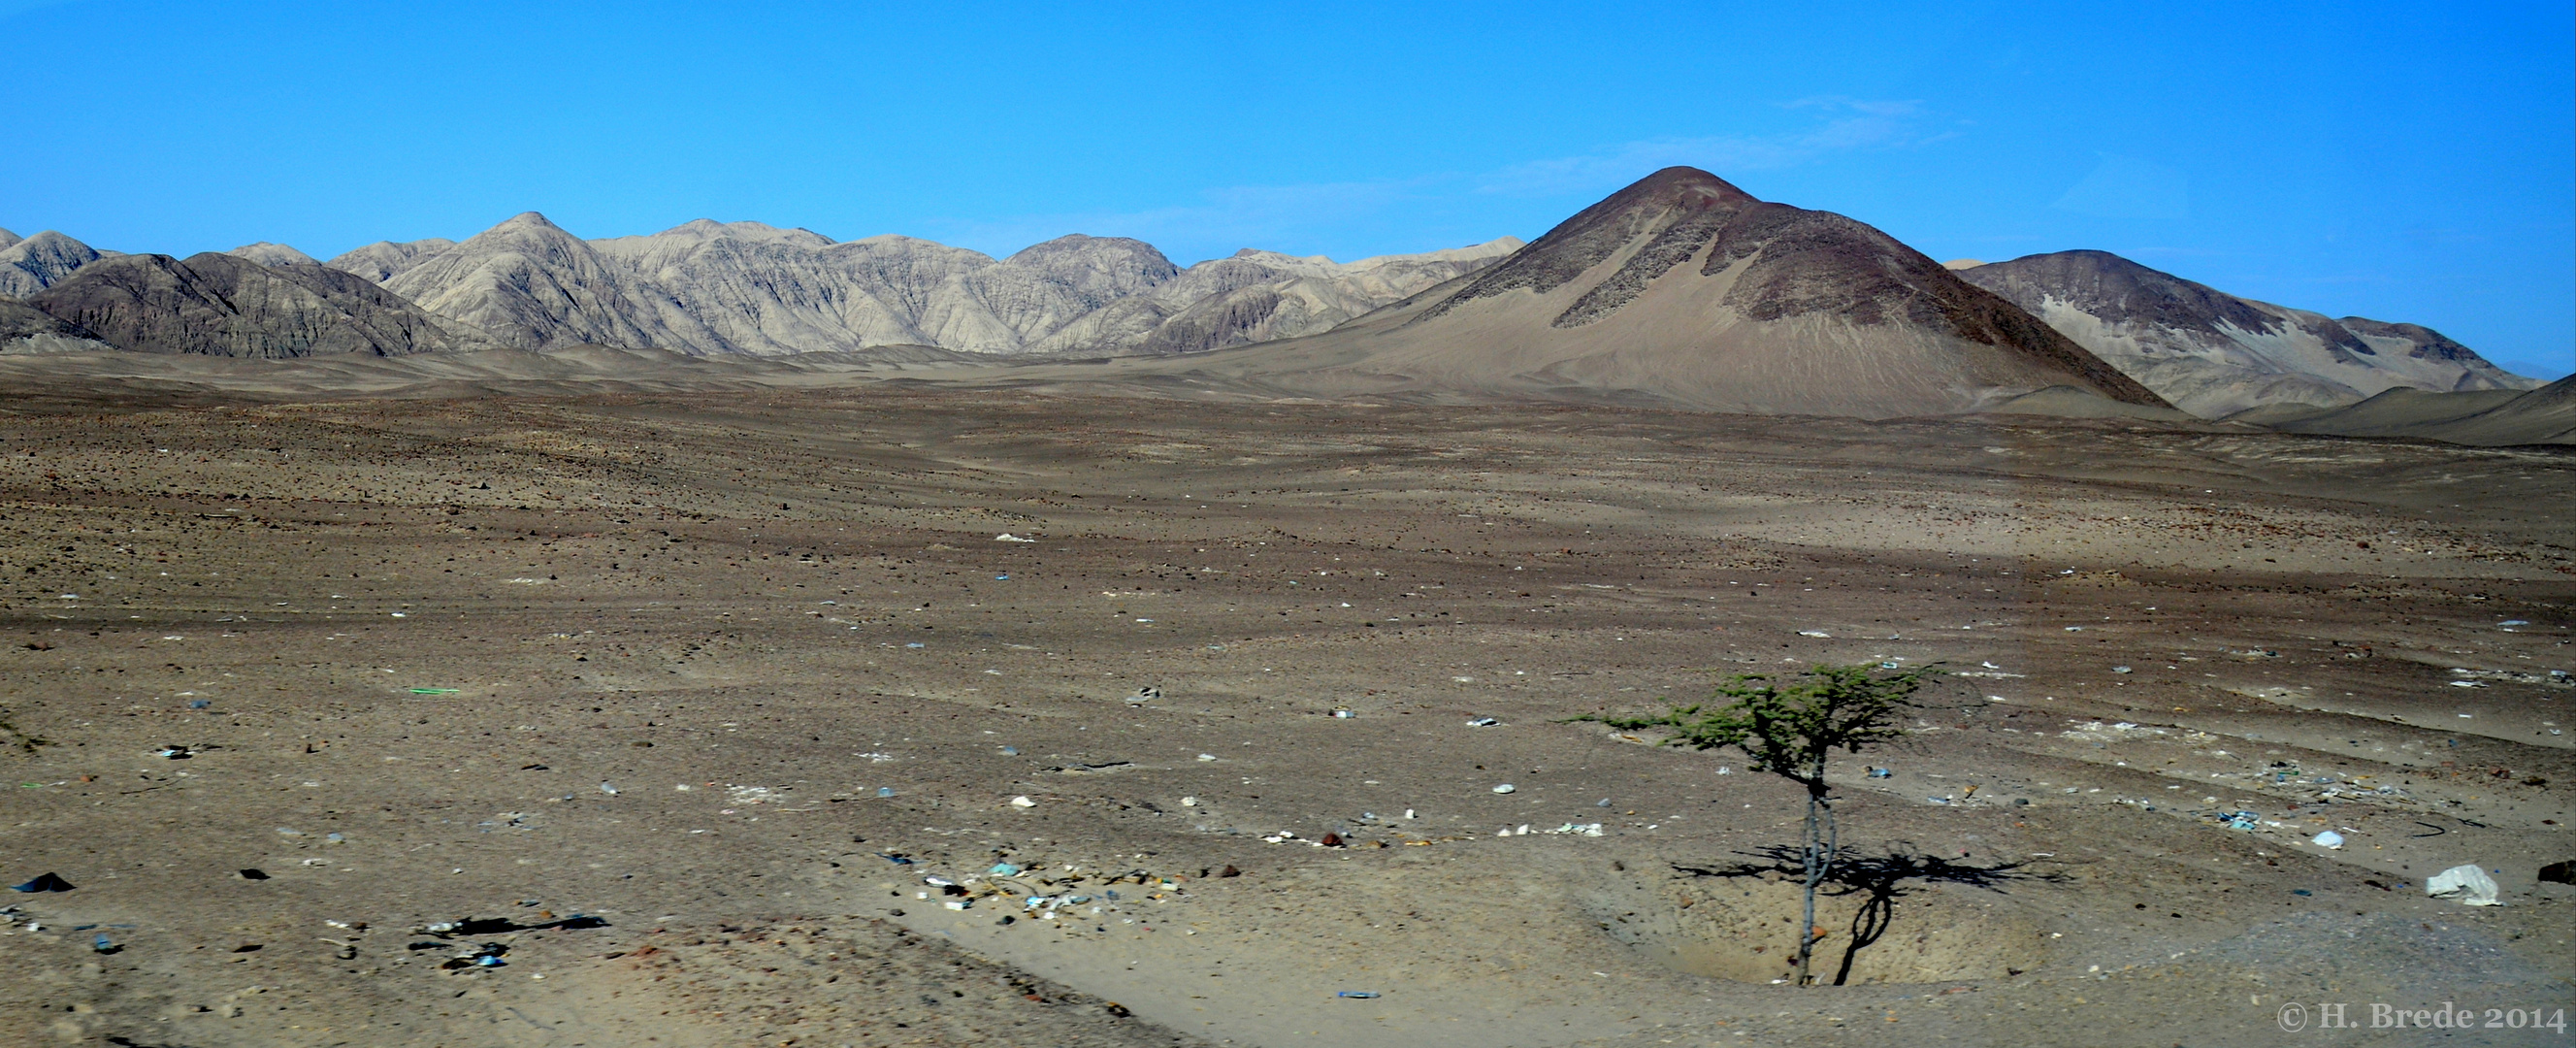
[[672, 703]]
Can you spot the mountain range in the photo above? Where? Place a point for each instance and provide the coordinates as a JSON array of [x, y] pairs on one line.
[[1679, 290], [708, 288]]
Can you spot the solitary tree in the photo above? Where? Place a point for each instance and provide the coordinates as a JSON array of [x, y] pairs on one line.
[[1790, 730]]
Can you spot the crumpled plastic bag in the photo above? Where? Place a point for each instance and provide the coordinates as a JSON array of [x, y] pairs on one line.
[[2469, 884]]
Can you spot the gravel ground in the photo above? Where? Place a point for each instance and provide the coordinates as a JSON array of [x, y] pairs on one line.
[[675, 705]]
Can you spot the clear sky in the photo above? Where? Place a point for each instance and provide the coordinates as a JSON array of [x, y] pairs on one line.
[[2411, 162]]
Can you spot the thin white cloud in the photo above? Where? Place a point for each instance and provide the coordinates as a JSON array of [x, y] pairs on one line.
[[2130, 188], [1848, 125]]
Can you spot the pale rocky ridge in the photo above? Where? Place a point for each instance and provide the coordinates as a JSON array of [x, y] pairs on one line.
[[531, 285], [38, 262], [2214, 354], [379, 261], [273, 255], [709, 288]]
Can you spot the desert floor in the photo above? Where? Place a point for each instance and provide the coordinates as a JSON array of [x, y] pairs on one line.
[[671, 704]]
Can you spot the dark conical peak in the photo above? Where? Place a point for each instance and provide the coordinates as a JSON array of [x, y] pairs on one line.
[[1686, 197], [1648, 205], [1680, 186]]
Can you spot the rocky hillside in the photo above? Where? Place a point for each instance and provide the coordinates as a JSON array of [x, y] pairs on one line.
[[2215, 354], [742, 287], [26, 329], [38, 262], [227, 306], [1682, 290]]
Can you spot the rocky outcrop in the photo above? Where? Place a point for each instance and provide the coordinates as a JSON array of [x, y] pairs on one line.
[[379, 261], [2215, 354], [227, 306], [26, 329]]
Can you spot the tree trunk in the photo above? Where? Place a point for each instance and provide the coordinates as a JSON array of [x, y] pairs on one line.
[[1821, 844], [1809, 857]]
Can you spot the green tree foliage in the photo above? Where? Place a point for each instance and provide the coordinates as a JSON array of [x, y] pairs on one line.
[[1791, 729]]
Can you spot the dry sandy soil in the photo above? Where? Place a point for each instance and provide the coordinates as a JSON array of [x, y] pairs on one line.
[[673, 705]]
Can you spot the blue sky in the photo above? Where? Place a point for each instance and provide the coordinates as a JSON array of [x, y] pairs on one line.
[[2410, 162]]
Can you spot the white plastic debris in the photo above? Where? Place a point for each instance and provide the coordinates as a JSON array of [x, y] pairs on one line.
[[1505, 788], [1008, 537], [1145, 694], [1023, 801], [2467, 883], [1814, 633], [1189, 802], [2328, 839]]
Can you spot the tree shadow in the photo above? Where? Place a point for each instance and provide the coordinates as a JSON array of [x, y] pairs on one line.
[[1880, 878]]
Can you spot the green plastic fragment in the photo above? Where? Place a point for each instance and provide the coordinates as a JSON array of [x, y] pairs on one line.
[[433, 691]]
